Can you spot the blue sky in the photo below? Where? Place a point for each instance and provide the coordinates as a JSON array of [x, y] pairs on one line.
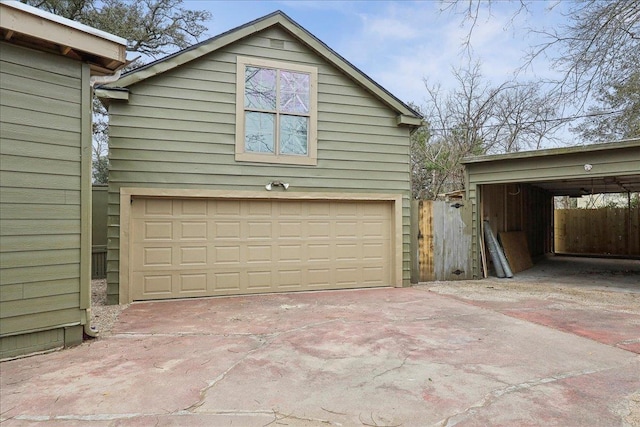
[[400, 43]]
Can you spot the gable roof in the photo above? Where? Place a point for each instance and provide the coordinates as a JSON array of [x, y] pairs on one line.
[[407, 115]]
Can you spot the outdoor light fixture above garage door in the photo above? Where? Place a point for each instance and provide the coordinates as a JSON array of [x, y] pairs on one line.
[[272, 184]]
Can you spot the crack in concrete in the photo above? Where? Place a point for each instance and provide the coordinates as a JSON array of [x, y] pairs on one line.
[[451, 316], [127, 335], [129, 416], [222, 376], [79, 417], [278, 416], [392, 369], [494, 395], [265, 340]]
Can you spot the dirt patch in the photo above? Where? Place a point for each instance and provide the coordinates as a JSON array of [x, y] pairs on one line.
[[509, 290], [633, 417], [103, 316]]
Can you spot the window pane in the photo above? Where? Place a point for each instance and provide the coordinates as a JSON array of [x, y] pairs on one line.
[[258, 132], [294, 92], [260, 88], [293, 135]]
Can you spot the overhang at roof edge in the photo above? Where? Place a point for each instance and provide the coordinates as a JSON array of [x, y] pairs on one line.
[[33, 27], [626, 143], [407, 117]]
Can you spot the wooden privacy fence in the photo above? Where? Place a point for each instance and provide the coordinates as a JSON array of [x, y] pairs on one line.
[[604, 231], [98, 262], [99, 231], [443, 243]]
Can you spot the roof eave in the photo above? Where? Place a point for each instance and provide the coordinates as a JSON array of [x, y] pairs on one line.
[[31, 27], [627, 143]]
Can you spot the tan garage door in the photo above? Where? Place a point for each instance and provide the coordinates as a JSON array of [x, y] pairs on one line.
[[203, 247]]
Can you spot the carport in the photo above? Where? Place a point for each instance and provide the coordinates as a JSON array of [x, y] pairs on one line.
[[515, 191]]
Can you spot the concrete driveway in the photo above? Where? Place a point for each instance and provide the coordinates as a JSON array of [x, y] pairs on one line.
[[379, 357]]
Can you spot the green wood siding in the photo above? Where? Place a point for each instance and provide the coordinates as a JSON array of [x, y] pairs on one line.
[[41, 132], [178, 131], [17, 345]]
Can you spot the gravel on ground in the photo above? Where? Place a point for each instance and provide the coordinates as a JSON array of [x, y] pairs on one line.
[[103, 316]]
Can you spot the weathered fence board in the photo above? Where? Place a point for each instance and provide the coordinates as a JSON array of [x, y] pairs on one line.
[[444, 241], [99, 232], [604, 231]]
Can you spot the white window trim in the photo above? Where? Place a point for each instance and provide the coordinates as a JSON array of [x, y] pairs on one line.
[[311, 159]]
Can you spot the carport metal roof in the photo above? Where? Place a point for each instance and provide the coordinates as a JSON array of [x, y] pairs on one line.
[[612, 167]]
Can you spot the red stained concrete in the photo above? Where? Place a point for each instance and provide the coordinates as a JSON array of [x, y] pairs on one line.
[[620, 329], [405, 357]]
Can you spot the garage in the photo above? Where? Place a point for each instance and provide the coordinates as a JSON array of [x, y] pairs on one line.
[[515, 192], [195, 247]]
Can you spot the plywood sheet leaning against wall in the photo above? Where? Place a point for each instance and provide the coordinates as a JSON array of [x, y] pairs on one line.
[[444, 240], [516, 249]]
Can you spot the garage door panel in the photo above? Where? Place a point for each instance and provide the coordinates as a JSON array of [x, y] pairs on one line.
[[156, 257], [152, 286], [375, 251], [259, 208], [224, 208], [193, 256], [226, 282], [259, 254], [318, 210], [371, 229], [347, 276], [192, 230], [319, 230], [226, 230], [193, 207], [259, 280], [347, 252], [155, 230], [319, 277], [290, 209], [227, 255], [347, 229], [290, 230], [158, 207], [288, 253], [193, 283], [373, 275], [345, 210], [290, 279], [225, 247], [259, 230], [319, 252]]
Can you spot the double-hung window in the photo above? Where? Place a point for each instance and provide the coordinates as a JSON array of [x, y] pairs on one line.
[[276, 107]]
